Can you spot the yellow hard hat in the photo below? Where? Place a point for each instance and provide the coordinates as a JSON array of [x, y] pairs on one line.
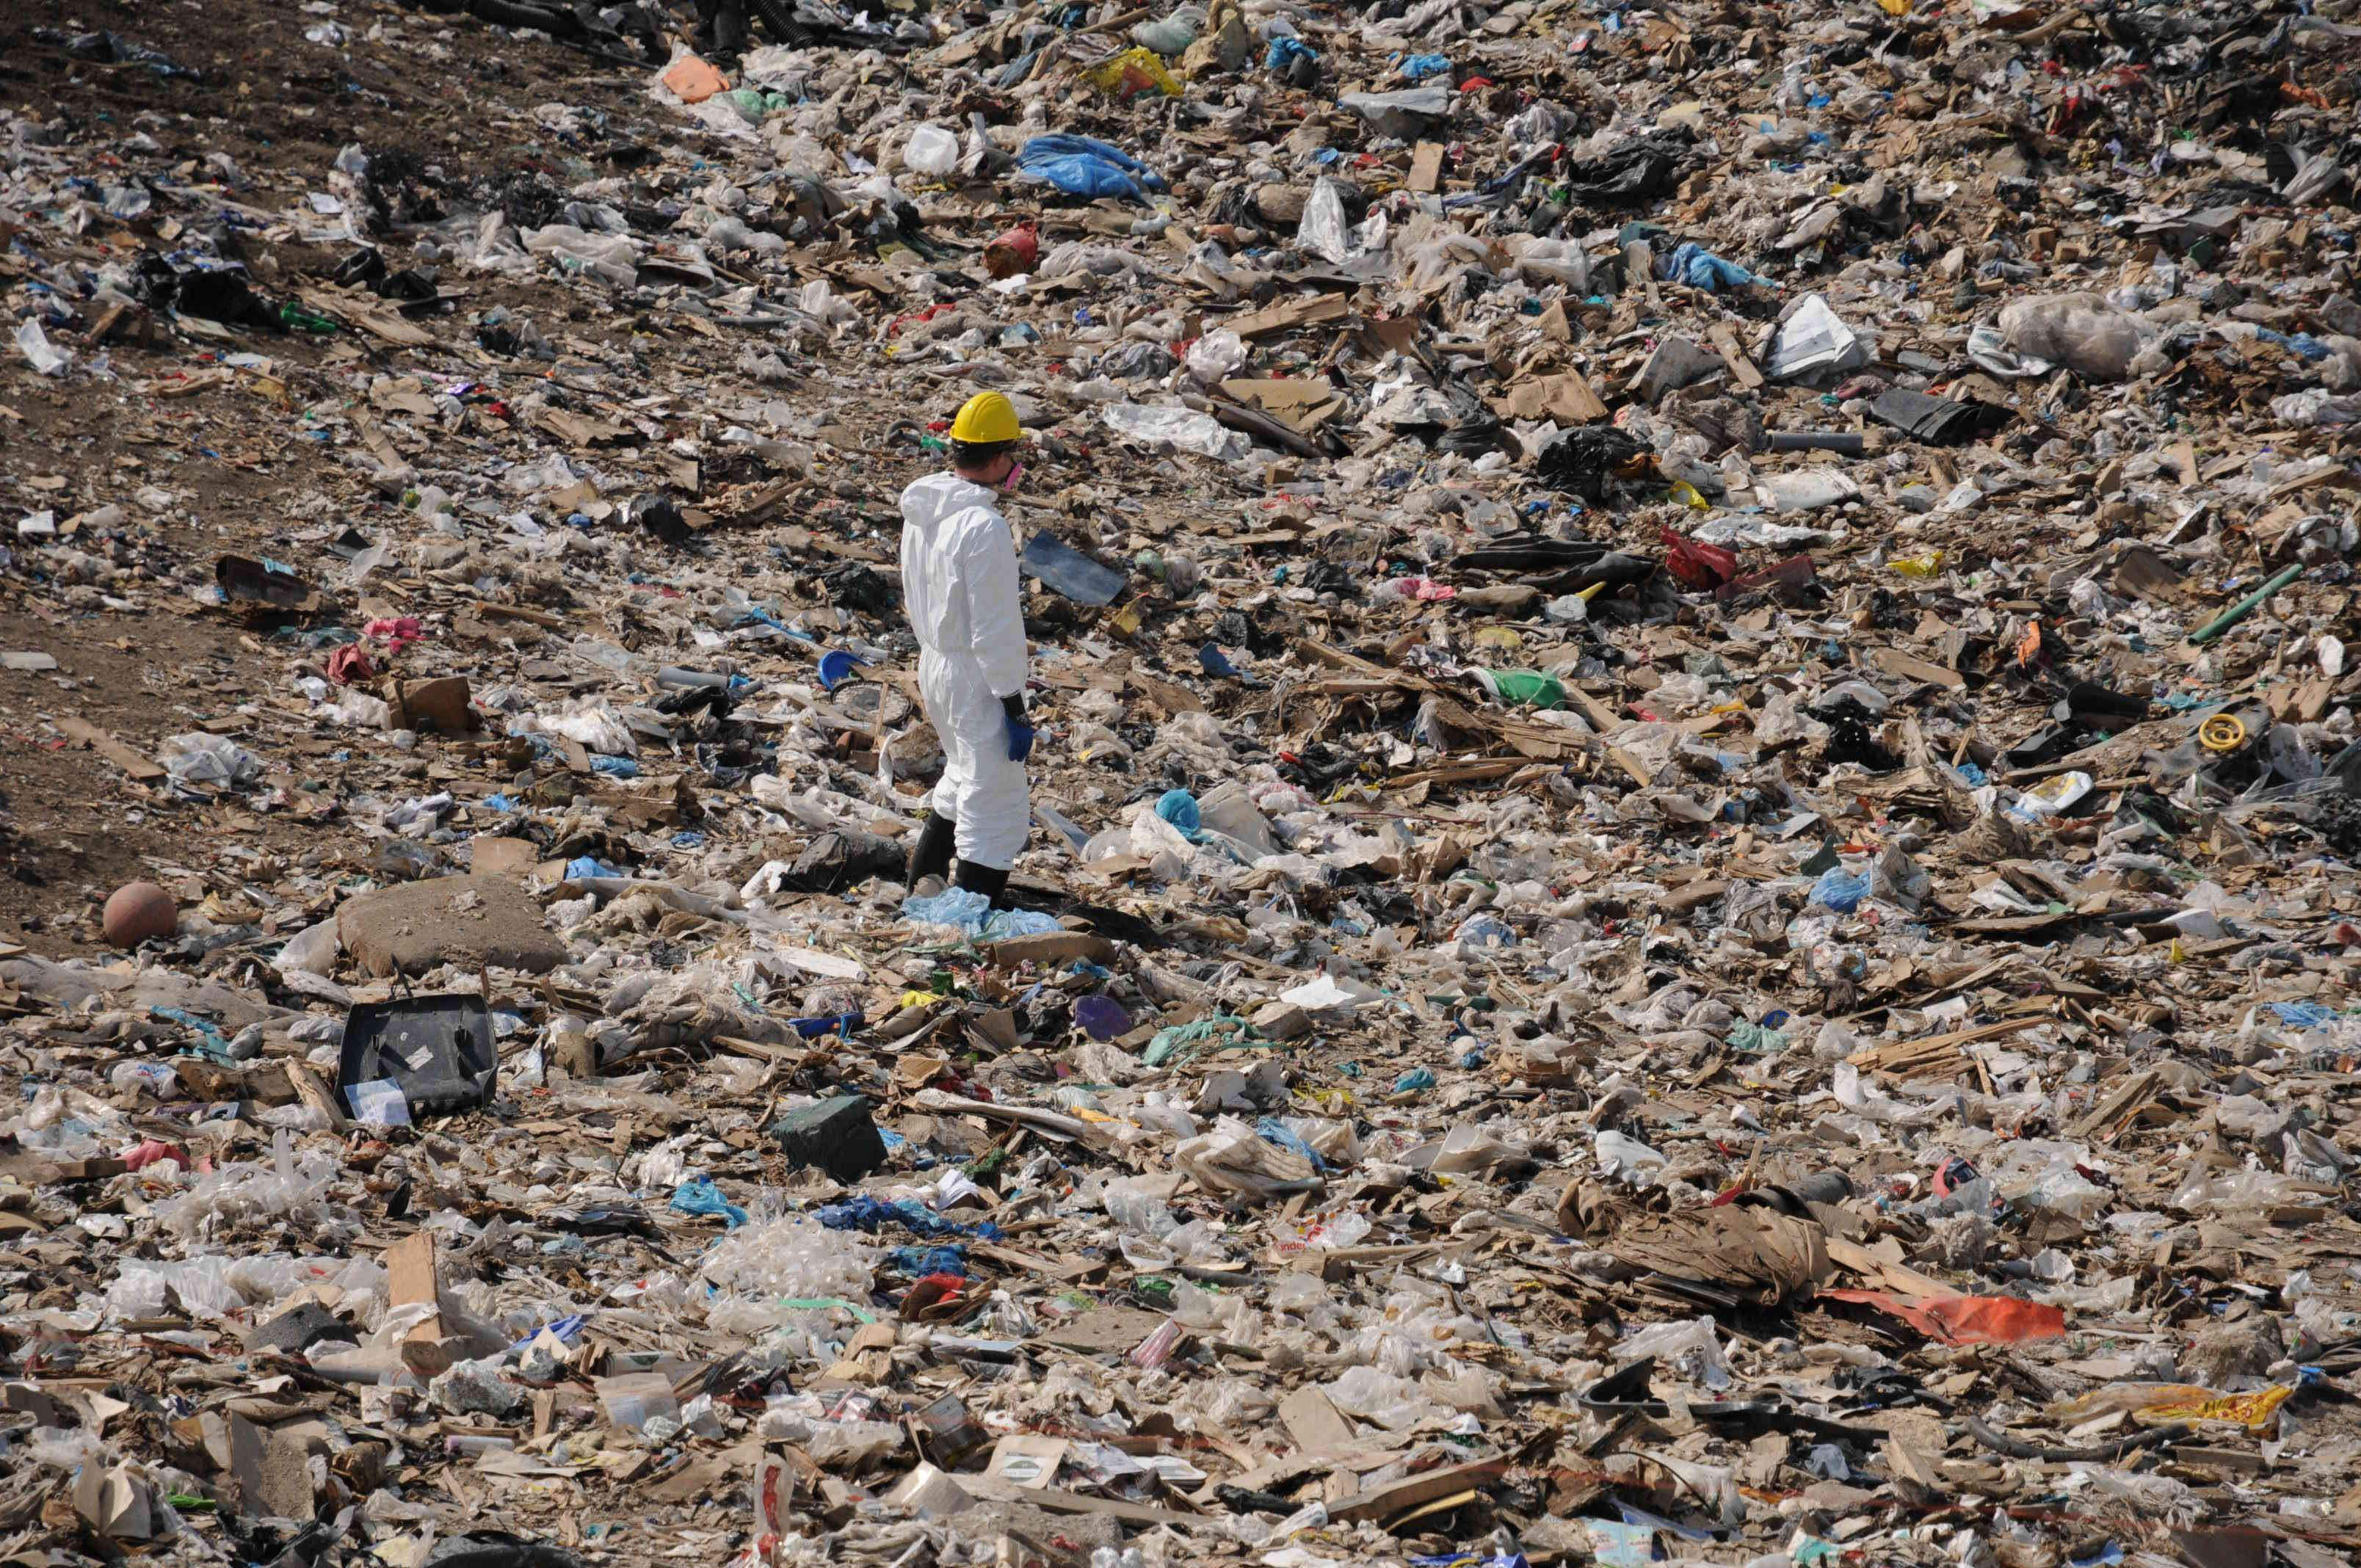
[[987, 419]]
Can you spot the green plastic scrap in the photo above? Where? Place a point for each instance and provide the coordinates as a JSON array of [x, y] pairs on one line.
[[1756, 1039], [824, 1304], [1188, 1039], [301, 320], [753, 104], [1522, 688]]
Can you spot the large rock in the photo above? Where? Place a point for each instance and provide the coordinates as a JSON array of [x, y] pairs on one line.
[[415, 926]]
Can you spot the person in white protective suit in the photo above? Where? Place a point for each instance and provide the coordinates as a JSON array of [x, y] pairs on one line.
[[959, 584]]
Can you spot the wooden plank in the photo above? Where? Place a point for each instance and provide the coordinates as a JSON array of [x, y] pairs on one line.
[[1384, 1502], [1877, 1056], [2184, 457], [1724, 336], [1680, 901], [2123, 1100], [142, 768], [1894, 661], [1426, 168], [410, 1280], [1056, 1500], [312, 1089], [1883, 1273]]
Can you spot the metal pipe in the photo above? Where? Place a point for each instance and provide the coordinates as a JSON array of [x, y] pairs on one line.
[[1850, 442]]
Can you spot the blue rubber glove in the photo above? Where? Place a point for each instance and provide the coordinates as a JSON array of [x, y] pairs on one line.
[[1020, 738]]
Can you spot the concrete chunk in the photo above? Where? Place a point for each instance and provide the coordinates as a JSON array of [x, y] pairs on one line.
[[838, 1135]]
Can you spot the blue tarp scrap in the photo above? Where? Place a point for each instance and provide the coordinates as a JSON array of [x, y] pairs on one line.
[[869, 1214], [566, 1329]]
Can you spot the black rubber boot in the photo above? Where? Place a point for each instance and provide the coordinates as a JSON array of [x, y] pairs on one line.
[[988, 880], [932, 857]]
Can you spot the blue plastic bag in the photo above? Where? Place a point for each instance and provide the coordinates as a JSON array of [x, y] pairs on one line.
[[1700, 268], [1285, 52], [917, 1261], [698, 1195], [1839, 890], [1419, 67], [1214, 663], [1086, 166], [972, 914], [1271, 1130], [1179, 808]]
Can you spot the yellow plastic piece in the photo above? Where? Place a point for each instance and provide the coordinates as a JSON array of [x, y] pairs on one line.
[[1130, 74], [2222, 732]]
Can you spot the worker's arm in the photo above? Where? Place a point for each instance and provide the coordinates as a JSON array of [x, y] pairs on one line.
[[995, 607]]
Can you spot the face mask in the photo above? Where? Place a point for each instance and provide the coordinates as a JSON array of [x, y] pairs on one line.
[[1008, 485]]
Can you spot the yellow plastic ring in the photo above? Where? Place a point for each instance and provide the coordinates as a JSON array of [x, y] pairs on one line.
[[2222, 733]]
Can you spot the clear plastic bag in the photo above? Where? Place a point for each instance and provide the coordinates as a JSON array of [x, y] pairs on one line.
[[1185, 429], [932, 151], [1224, 1405], [1139, 1210], [1232, 1161], [2081, 332], [1625, 1156], [291, 1186], [1215, 356], [1326, 231], [201, 759], [1541, 261], [612, 256], [312, 950], [477, 1387], [792, 1258], [2211, 1192], [1394, 1403], [1693, 1348]]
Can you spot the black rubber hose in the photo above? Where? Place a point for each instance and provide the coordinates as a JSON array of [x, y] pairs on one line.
[[779, 18], [2001, 1442]]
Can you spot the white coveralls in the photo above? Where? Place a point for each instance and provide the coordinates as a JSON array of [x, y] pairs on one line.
[[959, 584]]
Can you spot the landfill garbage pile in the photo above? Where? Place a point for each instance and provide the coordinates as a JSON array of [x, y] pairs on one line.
[[1691, 890]]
